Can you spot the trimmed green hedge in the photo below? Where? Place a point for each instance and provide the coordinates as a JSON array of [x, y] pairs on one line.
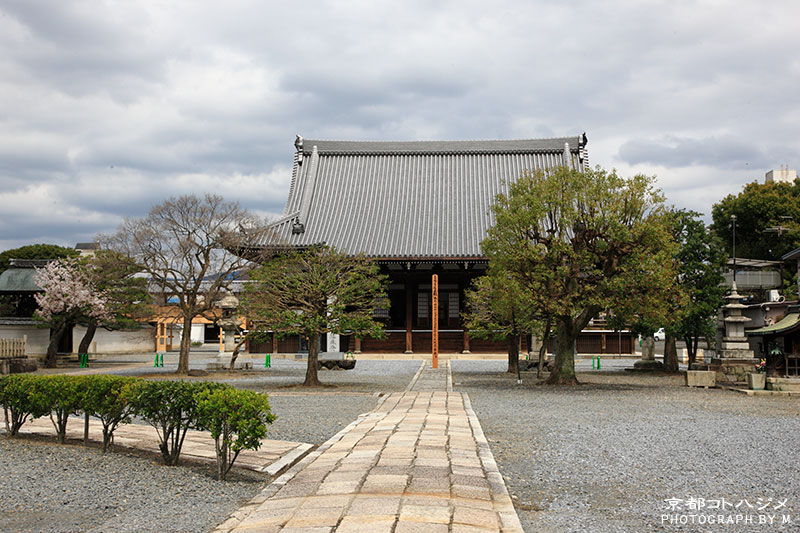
[[66, 396], [23, 396], [171, 408], [236, 419], [107, 398]]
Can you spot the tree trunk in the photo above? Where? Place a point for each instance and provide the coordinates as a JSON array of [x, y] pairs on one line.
[[543, 347], [52, 348], [311, 370], [693, 348], [186, 345], [670, 354], [564, 363], [513, 353], [235, 352], [692, 354], [91, 329]]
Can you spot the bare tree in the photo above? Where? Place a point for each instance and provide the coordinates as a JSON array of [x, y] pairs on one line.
[[193, 249]]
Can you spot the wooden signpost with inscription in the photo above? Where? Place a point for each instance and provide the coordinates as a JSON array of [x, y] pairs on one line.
[[435, 321]]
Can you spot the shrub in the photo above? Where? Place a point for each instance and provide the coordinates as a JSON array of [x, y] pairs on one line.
[[106, 397], [171, 408], [22, 397], [237, 419], [65, 394]]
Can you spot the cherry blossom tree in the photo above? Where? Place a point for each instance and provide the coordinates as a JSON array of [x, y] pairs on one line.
[[69, 296]]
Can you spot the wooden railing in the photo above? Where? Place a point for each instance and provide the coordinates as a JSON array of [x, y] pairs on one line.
[[13, 347]]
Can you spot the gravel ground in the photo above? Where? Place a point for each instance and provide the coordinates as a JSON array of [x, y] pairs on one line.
[[315, 418], [66, 488], [45, 486], [368, 376], [605, 455]]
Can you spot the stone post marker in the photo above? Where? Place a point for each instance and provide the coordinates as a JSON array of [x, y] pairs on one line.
[[648, 360]]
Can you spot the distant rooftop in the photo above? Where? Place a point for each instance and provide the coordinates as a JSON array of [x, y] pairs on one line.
[[28, 263], [782, 175]]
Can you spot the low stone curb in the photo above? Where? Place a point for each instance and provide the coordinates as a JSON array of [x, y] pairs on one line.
[[503, 503], [287, 460], [416, 376], [272, 458], [449, 377], [751, 392]]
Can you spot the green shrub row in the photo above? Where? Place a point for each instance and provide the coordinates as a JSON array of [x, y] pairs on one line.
[[237, 419]]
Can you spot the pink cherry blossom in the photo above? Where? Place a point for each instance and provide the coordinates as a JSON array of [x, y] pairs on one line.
[[68, 290]]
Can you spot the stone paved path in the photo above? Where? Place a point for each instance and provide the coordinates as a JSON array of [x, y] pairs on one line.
[[432, 379], [418, 462], [272, 457]]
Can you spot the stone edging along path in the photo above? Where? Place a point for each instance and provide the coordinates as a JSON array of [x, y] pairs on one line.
[[271, 458], [419, 461]]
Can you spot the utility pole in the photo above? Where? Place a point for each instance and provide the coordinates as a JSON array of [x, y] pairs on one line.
[[733, 220]]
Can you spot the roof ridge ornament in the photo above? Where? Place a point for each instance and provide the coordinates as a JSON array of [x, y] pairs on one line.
[[298, 227], [298, 143]]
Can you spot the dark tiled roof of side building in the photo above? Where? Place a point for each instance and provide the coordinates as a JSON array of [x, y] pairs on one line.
[[16, 279], [414, 199]]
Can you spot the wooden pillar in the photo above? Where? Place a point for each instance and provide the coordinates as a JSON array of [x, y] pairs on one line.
[[435, 321], [409, 317], [358, 345], [274, 342], [466, 342]]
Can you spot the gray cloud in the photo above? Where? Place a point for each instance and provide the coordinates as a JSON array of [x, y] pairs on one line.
[[670, 152], [107, 109]]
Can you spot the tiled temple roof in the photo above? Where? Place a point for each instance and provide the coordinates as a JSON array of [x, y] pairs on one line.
[[419, 199]]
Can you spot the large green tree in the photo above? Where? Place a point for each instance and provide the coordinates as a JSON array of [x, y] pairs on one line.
[[767, 220], [36, 251], [701, 258], [313, 292], [580, 242], [767, 224], [496, 308]]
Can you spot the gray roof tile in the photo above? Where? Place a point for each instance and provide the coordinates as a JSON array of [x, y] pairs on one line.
[[420, 199]]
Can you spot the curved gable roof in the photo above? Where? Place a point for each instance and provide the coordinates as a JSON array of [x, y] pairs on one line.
[[411, 199]]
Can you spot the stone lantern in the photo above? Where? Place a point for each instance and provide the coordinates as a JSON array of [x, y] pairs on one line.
[[736, 358]]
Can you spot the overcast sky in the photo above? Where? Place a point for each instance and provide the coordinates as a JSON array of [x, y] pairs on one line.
[[107, 108]]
